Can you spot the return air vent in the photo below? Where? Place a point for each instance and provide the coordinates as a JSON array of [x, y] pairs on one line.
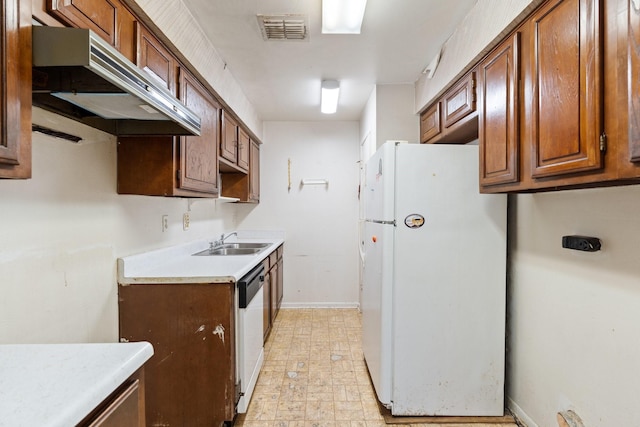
[[284, 27]]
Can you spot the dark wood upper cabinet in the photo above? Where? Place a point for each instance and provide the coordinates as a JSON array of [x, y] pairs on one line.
[[107, 18], [97, 15], [199, 159], [498, 110], [244, 146], [430, 123], [254, 172], [155, 59], [567, 80], [634, 79], [15, 89], [452, 118], [185, 166], [459, 101]]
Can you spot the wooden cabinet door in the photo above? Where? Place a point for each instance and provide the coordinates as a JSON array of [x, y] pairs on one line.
[[107, 18], [498, 127], [275, 272], [155, 59], [266, 311], [190, 379], [9, 87], [254, 172], [280, 281], [244, 147], [567, 87], [430, 123], [459, 101], [634, 79], [199, 154], [229, 142], [97, 15], [15, 89]]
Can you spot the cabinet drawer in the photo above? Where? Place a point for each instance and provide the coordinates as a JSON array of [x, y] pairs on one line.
[[459, 101]]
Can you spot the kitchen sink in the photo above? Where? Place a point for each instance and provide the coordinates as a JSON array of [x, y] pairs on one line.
[[243, 245], [244, 248]]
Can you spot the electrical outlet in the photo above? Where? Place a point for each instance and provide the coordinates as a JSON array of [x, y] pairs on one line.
[[185, 221], [165, 223]]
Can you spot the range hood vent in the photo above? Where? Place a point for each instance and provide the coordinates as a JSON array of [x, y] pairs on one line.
[[79, 75], [284, 27]]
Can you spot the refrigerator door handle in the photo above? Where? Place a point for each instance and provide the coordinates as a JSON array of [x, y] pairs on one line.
[[375, 221]]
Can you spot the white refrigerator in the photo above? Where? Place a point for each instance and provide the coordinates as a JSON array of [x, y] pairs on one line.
[[434, 286]]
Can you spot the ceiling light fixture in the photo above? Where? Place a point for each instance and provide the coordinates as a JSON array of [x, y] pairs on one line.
[[329, 96], [342, 16]]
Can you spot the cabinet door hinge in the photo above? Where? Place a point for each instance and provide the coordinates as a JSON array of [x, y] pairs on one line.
[[603, 142], [178, 175]]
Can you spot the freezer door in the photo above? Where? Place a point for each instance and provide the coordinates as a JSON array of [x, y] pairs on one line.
[[379, 184], [376, 306]]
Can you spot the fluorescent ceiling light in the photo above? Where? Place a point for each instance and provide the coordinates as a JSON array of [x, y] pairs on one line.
[[342, 16], [329, 98]]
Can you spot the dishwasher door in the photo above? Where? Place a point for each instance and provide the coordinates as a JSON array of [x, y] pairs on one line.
[[250, 343]]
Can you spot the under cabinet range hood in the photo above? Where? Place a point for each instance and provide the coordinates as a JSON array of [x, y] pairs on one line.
[[79, 75]]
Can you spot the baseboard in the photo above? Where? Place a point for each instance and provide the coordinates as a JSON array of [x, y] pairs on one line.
[[521, 417], [320, 305]]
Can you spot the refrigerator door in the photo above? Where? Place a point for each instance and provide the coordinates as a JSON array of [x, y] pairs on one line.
[[379, 183], [376, 308], [449, 286]]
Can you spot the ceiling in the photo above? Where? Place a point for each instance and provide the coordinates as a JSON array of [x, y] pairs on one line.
[[282, 78]]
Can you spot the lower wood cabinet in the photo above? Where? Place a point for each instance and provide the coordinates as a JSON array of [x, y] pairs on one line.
[[273, 288], [266, 290], [190, 380], [124, 408]]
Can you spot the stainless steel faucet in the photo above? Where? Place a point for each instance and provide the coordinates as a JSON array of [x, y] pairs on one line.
[[222, 239]]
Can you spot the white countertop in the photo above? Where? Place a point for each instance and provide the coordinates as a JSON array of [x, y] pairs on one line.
[[50, 385], [176, 264]]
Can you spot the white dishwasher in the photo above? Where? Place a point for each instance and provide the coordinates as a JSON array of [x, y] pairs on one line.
[[250, 352]]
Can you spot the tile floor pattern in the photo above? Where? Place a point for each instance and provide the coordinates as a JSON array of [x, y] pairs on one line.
[[314, 375]]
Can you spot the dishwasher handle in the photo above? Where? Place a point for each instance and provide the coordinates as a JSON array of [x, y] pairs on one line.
[[249, 285]]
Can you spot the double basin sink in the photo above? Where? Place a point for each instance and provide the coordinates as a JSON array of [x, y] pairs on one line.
[[244, 248]]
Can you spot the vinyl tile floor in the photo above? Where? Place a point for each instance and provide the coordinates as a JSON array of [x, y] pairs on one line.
[[314, 375]]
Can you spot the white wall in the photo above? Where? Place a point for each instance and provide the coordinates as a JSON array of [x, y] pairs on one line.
[[574, 317], [63, 230], [485, 22], [395, 117], [178, 24], [320, 222]]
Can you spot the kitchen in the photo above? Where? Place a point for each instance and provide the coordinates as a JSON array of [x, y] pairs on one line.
[[572, 334]]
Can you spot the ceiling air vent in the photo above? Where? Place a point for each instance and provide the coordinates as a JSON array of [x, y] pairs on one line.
[[284, 27]]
